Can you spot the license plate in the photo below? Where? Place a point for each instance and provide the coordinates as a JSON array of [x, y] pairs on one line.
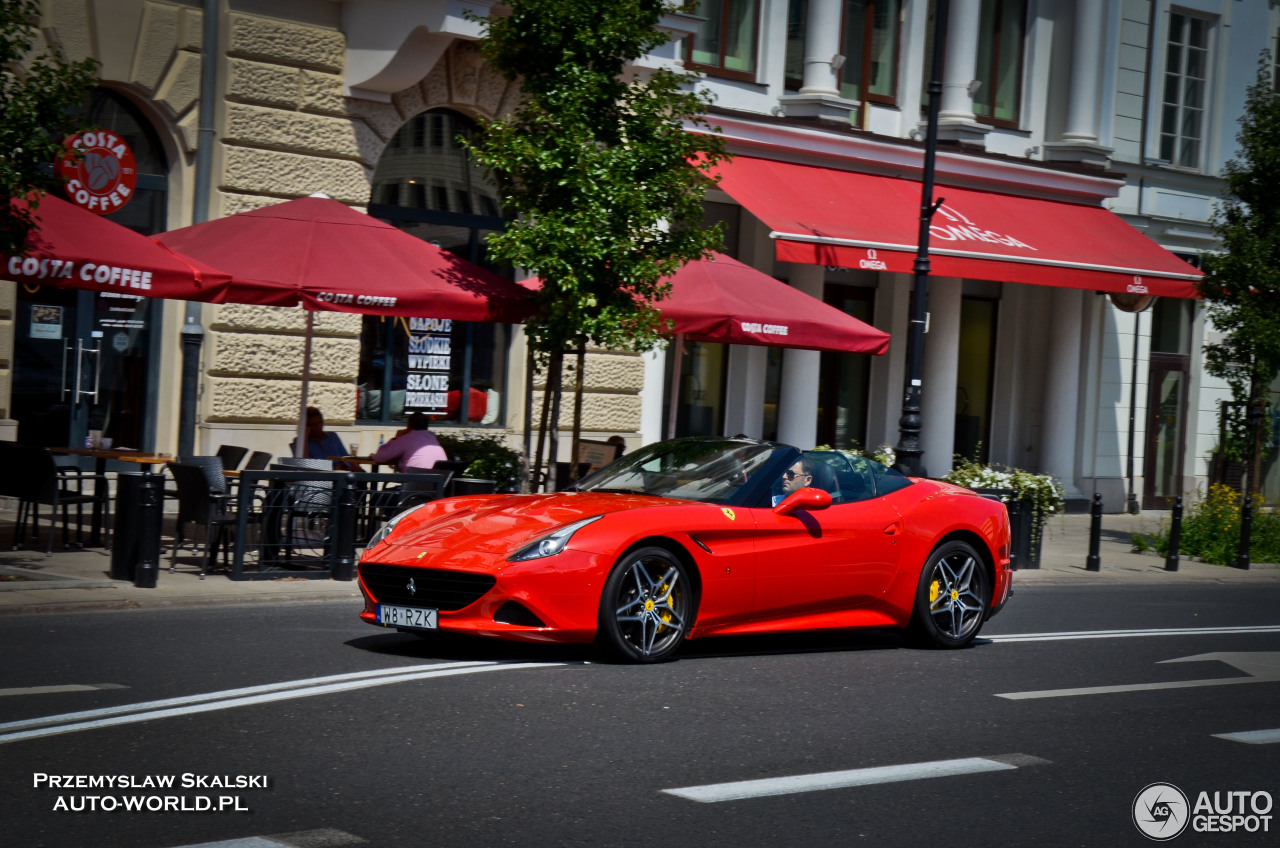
[[423, 619]]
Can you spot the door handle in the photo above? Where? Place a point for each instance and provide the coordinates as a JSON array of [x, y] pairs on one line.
[[66, 350], [81, 352], [892, 529]]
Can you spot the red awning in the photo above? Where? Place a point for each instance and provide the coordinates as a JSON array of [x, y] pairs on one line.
[[821, 216]]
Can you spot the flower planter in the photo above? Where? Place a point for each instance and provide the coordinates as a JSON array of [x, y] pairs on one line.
[[1025, 542]]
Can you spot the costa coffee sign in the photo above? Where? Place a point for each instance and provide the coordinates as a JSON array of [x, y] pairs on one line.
[[99, 171]]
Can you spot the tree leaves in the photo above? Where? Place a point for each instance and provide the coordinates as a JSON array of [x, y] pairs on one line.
[[38, 95], [597, 166]]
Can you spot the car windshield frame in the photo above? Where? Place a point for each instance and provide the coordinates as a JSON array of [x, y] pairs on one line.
[[721, 471]]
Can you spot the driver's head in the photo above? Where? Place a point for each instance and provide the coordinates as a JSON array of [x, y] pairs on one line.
[[799, 475]]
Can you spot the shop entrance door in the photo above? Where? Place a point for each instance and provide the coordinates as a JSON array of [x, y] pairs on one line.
[[81, 364], [1166, 422]]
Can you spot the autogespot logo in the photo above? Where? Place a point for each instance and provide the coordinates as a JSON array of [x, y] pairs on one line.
[[1160, 811]]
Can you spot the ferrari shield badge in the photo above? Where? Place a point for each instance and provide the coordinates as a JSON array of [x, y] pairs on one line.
[[728, 513]]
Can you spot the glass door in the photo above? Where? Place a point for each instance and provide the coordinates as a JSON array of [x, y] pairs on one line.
[[80, 365], [1166, 421]]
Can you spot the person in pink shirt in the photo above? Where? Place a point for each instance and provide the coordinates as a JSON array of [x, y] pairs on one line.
[[413, 447]]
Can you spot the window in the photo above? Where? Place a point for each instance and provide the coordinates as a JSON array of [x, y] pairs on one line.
[[999, 68], [427, 361], [868, 41], [726, 44], [1182, 105]]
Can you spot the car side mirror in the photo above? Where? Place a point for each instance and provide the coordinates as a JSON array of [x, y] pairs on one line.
[[807, 498]]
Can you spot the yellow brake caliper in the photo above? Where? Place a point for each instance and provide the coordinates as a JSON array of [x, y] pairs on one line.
[[935, 589], [666, 615]]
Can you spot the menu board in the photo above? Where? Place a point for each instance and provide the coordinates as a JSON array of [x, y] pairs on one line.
[[430, 354]]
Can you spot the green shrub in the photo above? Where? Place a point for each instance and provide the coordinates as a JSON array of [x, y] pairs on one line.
[[1211, 530], [487, 457]]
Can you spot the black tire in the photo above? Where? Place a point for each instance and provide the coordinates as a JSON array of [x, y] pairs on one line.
[[952, 597], [647, 607]]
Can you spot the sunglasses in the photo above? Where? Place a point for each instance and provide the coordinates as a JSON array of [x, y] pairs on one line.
[[791, 475]]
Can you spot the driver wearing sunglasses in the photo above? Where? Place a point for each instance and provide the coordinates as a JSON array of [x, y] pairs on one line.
[[794, 479]]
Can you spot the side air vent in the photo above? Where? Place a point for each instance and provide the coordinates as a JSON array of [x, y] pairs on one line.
[[517, 614]]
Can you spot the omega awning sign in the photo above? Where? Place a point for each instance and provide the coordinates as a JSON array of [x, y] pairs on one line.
[[822, 216]]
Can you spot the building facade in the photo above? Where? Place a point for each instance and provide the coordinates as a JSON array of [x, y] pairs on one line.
[[1127, 106]]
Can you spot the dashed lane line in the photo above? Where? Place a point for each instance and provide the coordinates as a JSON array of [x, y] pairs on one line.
[[57, 690], [1253, 737], [744, 789]]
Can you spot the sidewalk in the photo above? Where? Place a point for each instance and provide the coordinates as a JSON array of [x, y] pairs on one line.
[[80, 579]]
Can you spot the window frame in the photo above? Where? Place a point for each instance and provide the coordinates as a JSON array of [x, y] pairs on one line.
[[864, 68], [1155, 137], [988, 75], [719, 70]]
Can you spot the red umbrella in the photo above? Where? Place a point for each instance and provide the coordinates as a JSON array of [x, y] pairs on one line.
[[335, 259], [76, 249], [722, 300]]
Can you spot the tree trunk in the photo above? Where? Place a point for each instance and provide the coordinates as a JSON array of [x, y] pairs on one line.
[[529, 483], [577, 412], [540, 479], [556, 375]]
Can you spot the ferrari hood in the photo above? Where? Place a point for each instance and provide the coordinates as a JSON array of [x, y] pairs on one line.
[[499, 525]]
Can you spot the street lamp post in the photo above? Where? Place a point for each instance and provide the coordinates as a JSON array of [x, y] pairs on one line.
[[908, 449]]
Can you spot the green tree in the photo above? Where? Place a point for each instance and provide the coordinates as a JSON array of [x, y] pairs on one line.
[[39, 96], [600, 171], [1241, 285]]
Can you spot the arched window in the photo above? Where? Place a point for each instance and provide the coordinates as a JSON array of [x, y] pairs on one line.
[[426, 185]]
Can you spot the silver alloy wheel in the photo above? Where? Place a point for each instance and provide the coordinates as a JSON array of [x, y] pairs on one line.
[[955, 600], [652, 606]]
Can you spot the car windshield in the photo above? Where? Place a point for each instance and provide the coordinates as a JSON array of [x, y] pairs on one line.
[[695, 469]]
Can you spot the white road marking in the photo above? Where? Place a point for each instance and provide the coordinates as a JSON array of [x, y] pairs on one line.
[[1261, 666], [1253, 737], [323, 838], [229, 693], [236, 698], [54, 690], [739, 790], [1128, 634]]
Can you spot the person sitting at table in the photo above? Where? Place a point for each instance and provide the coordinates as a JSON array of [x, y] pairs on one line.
[[413, 447], [321, 444]]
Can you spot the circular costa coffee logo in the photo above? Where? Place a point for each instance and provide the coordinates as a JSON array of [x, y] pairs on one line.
[[99, 171], [1161, 811]]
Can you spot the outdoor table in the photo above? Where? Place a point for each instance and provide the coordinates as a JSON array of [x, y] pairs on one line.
[[373, 464], [100, 457]]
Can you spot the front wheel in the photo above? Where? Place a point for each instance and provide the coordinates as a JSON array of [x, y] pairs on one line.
[[951, 600], [647, 606]]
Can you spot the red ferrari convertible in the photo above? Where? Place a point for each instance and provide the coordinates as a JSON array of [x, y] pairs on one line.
[[697, 537]]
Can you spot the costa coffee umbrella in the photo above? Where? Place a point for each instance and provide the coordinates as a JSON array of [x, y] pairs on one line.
[[333, 258], [336, 259], [72, 248], [722, 300]]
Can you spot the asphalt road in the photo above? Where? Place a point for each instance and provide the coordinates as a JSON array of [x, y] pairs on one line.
[[458, 742]]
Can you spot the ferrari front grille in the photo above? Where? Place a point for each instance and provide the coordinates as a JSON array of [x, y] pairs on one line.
[[424, 587]]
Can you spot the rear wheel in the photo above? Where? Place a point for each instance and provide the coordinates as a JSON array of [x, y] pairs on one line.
[[647, 607], [951, 600]]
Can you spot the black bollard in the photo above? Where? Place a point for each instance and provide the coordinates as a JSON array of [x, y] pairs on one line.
[[1246, 526], [1094, 562], [344, 537], [150, 506], [1175, 535]]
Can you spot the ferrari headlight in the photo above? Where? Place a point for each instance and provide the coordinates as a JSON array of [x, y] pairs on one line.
[[552, 544], [389, 526]]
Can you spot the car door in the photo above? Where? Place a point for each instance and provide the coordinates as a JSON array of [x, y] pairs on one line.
[[841, 557]]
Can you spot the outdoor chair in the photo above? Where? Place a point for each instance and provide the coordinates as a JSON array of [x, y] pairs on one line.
[[301, 508], [458, 467], [231, 456], [258, 460], [34, 479], [200, 505]]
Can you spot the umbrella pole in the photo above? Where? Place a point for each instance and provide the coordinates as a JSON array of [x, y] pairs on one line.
[[678, 346], [300, 446]]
